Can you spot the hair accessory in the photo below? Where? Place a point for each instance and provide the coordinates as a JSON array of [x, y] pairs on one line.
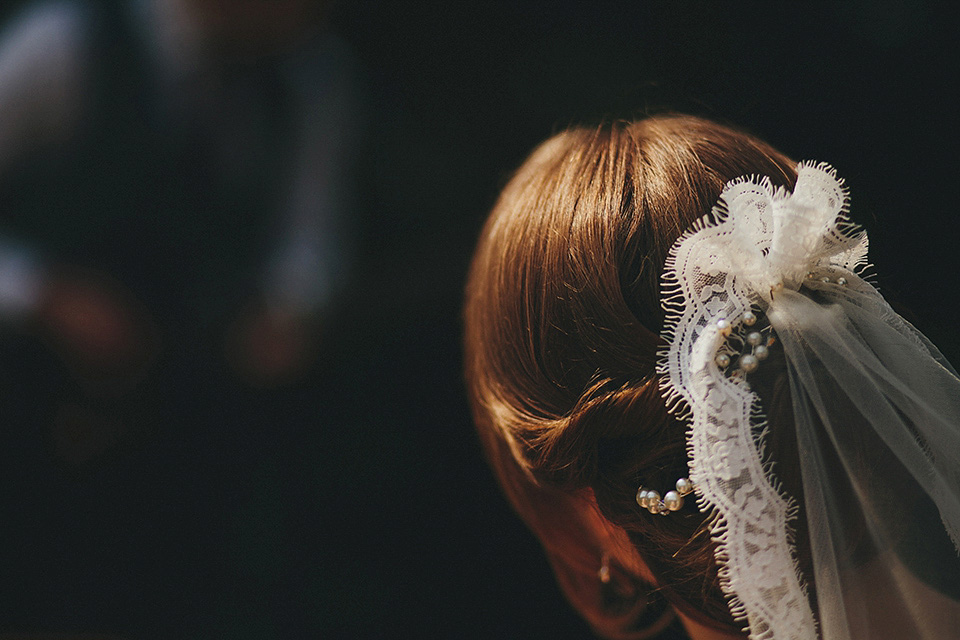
[[672, 501], [744, 348], [876, 418]]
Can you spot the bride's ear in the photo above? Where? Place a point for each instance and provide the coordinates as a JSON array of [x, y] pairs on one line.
[[613, 540]]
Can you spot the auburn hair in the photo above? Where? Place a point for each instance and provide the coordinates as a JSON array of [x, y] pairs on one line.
[[562, 322]]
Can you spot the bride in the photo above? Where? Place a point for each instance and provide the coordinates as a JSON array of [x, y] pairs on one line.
[[692, 397]]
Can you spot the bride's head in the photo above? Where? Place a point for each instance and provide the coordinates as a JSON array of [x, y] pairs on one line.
[[562, 320]]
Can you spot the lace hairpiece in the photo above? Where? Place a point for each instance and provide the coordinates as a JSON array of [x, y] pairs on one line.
[[767, 251]]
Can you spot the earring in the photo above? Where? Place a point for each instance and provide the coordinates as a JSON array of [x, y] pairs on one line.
[[604, 572]]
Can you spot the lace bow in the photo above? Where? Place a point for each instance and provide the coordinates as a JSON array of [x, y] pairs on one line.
[[758, 241]]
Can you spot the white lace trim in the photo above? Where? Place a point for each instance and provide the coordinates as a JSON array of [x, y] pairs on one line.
[[757, 240]]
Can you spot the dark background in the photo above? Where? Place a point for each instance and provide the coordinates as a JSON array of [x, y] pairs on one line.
[[387, 522]]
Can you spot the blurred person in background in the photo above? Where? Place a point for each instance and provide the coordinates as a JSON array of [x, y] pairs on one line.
[[174, 228]]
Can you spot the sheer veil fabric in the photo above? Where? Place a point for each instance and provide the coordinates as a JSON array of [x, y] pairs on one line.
[[876, 413]]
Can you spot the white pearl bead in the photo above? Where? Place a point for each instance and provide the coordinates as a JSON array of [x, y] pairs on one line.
[[672, 501], [842, 282], [761, 352], [749, 363], [749, 318], [642, 497], [754, 338], [723, 325], [722, 360], [684, 486], [825, 280], [653, 501]]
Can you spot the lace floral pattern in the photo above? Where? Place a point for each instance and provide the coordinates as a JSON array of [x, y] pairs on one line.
[[757, 241]]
